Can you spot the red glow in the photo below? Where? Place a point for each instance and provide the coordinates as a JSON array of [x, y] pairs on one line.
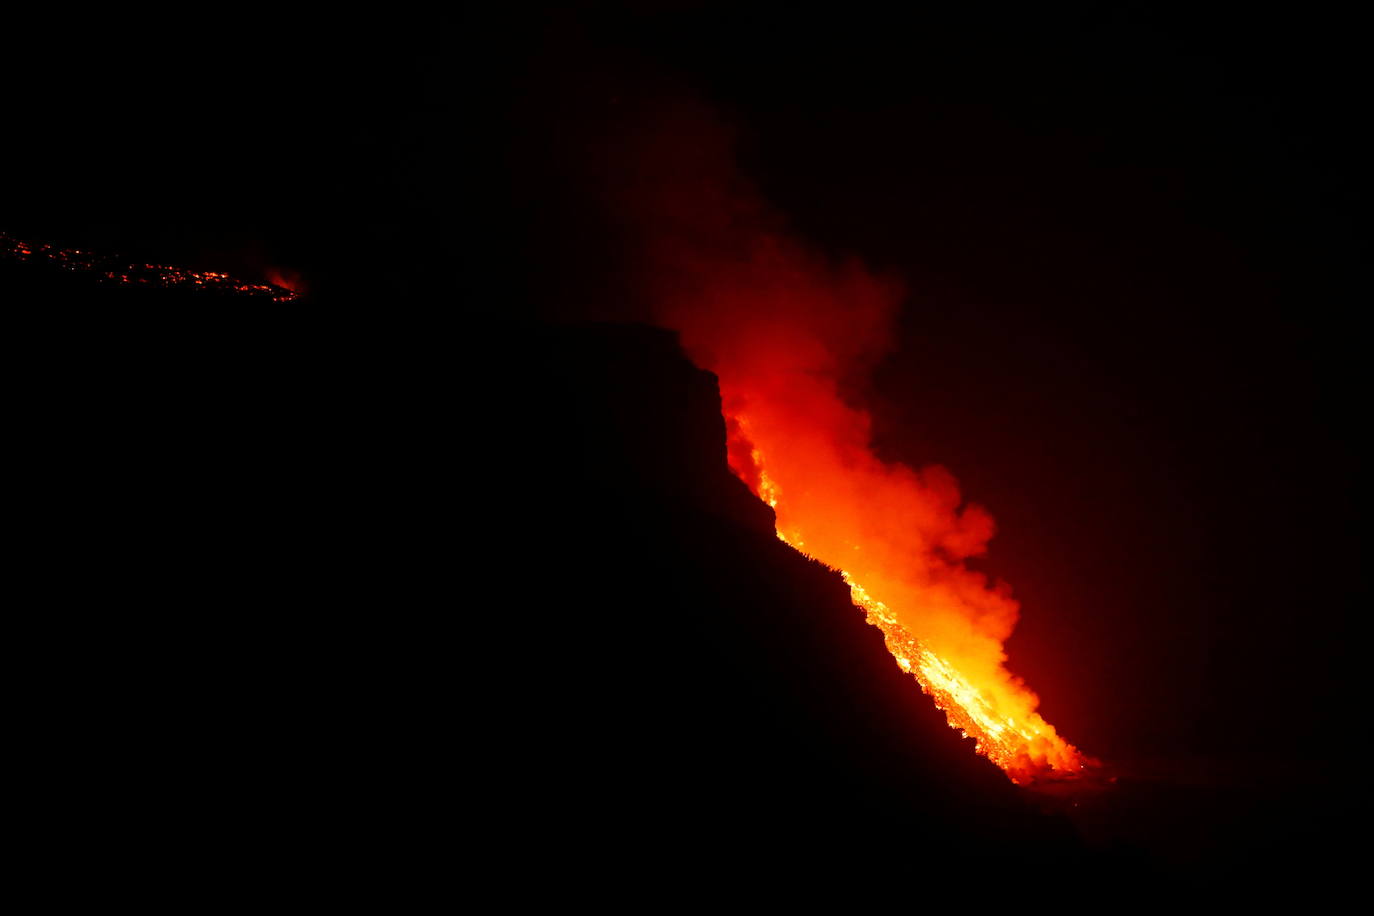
[[286, 279], [786, 329]]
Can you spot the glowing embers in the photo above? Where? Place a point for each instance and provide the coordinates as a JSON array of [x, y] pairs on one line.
[[997, 713], [109, 270], [1025, 750], [768, 492]]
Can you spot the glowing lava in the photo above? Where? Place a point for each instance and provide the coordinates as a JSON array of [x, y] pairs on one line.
[[792, 334], [109, 270], [992, 707], [785, 331]]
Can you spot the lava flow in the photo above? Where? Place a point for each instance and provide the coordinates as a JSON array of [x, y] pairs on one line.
[[992, 707], [792, 334], [108, 270], [894, 535], [783, 328]]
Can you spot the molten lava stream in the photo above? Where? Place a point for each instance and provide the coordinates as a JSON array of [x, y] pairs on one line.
[[978, 696]]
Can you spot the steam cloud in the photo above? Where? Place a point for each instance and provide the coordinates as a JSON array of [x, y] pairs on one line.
[[787, 329]]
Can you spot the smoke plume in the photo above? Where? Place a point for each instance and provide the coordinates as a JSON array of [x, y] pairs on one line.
[[791, 333]]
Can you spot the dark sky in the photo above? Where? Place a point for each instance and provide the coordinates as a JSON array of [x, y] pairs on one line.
[[1130, 243], [229, 139]]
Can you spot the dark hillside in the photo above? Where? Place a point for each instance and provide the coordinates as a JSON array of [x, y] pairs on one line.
[[707, 680]]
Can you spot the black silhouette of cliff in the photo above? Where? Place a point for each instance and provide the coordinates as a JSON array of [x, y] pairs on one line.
[[325, 569], [695, 677], [684, 675], [308, 578]]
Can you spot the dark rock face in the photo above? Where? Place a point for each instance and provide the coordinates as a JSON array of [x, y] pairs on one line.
[[196, 535], [311, 570], [649, 424], [693, 677], [685, 675]]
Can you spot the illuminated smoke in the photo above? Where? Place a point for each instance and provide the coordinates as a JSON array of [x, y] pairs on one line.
[[787, 329], [286, 279]]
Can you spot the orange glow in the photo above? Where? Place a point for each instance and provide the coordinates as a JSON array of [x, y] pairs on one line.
[[286, 279], [784, 329], [791, 334], [865, 519]]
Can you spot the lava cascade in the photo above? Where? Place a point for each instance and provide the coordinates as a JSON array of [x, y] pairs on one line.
[[792, 334], [899, 536], [958, 658]]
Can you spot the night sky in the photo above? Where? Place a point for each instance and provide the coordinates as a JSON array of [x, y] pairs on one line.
[[1129, 241], [233, 141]]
